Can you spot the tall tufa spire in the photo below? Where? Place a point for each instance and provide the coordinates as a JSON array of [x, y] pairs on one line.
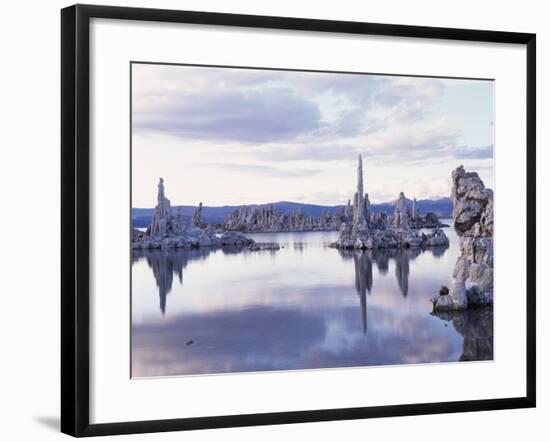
[[358, 201], [360, 176], [160, 194], [415, 210], [162, 216], [197, 216]]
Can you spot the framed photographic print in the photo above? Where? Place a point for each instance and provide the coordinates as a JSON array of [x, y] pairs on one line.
[[274, 220]]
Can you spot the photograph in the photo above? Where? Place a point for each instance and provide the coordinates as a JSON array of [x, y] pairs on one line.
[[302, 220]]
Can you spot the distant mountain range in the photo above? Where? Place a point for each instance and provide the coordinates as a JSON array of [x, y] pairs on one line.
[[442, 207]]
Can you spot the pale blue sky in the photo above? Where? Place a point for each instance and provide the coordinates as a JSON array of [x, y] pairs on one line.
[[470, 104], [242, 136]]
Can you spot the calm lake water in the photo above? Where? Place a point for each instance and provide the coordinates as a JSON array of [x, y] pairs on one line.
[[301, 307]]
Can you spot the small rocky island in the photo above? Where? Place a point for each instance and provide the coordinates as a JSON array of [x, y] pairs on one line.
[[267, 219], [364, 230], [168, 230], [472, 283], [251, 219]]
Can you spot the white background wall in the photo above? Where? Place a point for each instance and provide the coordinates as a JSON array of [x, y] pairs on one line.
[[29, 218]]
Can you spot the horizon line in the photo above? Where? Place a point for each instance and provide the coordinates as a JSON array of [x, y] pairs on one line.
[[293, 202]]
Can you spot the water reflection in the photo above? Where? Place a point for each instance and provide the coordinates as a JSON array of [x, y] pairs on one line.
[[476, 326], [363, 282], [167, 263], [438, 251], [382, 262], [304, 306], [363, 270], [363, 265]]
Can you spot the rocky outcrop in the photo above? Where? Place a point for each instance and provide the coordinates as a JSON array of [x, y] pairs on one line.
[[435, 238], [472, 282], [168, 231], [416, 221], [163, 221], [401, 217], [407, 215], [379, 221], [428, 221], [367, 231], [268, 219], [347, 210], [196, 220], [415, 210]]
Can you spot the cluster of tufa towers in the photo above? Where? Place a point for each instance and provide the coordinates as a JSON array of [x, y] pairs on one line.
[[164, 221], [363, 218]]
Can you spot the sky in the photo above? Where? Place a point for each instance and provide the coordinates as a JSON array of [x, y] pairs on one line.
[[229, 136]]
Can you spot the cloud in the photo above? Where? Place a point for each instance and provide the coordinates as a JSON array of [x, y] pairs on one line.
[[248, 116], [289, 124], [483, 152], [159, 350], [399, 90], [265, 170], [303, 151], [228, 340], [436, 142], [263, 106]]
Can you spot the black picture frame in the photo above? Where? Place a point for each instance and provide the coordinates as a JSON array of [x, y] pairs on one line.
[[75, 212]]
